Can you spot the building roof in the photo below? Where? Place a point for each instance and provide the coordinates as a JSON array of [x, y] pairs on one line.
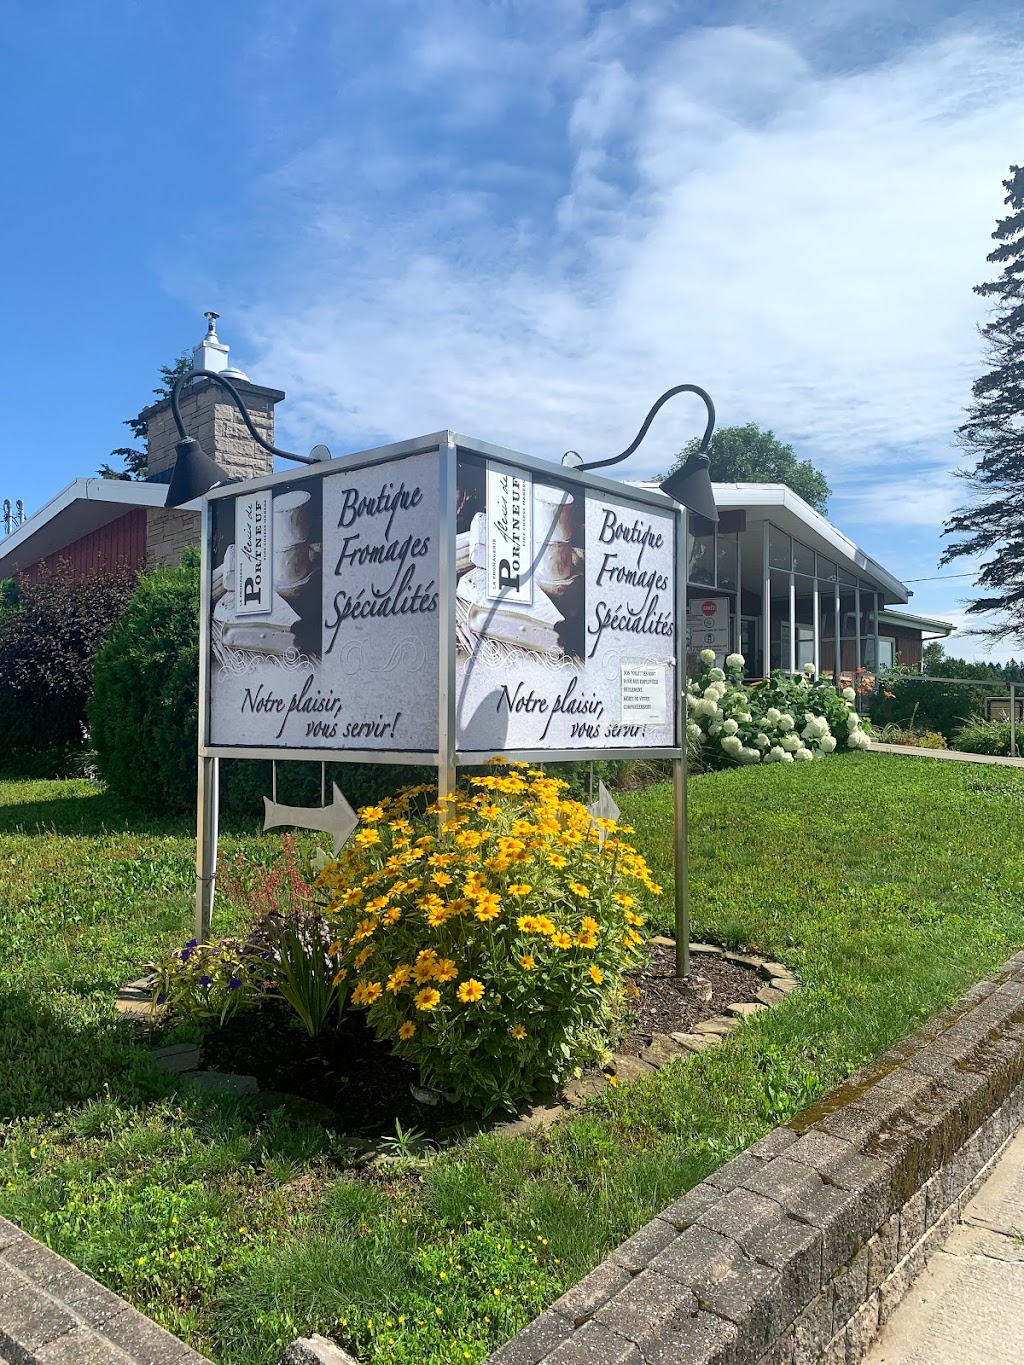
[[84, 506], [906, 620]]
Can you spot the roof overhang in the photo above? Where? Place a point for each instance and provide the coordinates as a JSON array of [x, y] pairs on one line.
[[927, 625], [778, 504], [82, 507]]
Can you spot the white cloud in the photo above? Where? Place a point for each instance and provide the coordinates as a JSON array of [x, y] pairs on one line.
[[802, 243]]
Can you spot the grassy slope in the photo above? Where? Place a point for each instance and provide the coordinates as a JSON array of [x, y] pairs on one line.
[[889, 883]]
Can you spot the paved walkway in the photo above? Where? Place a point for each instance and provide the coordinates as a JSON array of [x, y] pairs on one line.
[[967, 1306], [912, 750]]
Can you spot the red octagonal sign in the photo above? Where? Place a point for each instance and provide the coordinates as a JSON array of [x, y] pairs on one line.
[[709, 608]]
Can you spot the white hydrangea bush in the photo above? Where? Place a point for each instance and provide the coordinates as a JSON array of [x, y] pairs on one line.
[[791, 719]]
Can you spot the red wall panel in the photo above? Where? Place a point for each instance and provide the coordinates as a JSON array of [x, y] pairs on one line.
[[119, 544]]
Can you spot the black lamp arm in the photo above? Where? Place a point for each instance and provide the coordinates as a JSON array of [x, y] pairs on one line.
[[671, 393], [184, 379]]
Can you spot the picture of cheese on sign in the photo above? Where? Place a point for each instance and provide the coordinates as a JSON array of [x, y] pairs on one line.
[[532, 627], [271, 634]]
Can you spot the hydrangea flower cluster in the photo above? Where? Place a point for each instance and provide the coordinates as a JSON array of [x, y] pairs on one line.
[[792, 719]]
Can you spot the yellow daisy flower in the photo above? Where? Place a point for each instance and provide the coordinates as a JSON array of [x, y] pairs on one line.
[[520, 889], [578, 889], [527, 963], [596, 975], [517, 1032], [427, 998], [470, 991], [445, 970], [399, 978], [366, 992], [407, 1030], [561, 940]]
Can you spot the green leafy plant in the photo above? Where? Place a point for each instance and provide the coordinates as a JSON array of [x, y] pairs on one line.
[[485, 950], [791, 718], [986, 737], [301, 967], [211, 982]]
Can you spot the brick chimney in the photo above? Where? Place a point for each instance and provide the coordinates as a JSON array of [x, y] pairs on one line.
[[210, 415]]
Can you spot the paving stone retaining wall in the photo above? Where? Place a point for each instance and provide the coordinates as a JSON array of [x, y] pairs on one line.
[[799, 1249], [53, 1314]]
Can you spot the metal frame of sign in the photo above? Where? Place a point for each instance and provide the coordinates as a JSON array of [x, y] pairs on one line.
[[447, 758]]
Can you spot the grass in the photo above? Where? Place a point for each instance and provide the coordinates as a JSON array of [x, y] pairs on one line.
[[889, 883]]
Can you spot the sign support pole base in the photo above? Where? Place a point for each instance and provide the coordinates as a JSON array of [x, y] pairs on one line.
[[682, 879], [206, 843]]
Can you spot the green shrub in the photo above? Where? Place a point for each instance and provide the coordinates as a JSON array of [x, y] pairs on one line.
[[928, 739], [489, 952], [211, 982], [903, 698], [50, 629], [986, 737], [144, 705], [788, 719]]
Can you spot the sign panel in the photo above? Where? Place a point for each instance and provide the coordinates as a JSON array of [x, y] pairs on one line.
[[572, 645], [342, 652]]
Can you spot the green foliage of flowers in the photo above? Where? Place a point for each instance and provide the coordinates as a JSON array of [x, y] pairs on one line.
[[211, 982], [987, 737], [489, 949], [791, 718]]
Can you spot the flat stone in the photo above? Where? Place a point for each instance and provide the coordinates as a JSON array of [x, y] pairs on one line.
[[636, 1252], [315, 1350], [584, 1088], [77, 1347], [720, 1024], [662, 942], [661, 1050], [768, 995], [31, 1319], [745, 959], [596, 1345], [140, 1011], [645, 1304], [775, 969], [786, 984], [744, 1010], [581, 1302], [176, 1057], [537, 1120], [535, 1342], [212, 1082], [706, 950], [143, 1341], [630, 1068], [697, 1042]]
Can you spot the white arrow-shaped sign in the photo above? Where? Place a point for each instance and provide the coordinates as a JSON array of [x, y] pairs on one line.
[[604, 808], [338, 820]]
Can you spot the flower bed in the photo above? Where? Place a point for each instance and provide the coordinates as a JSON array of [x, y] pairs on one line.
[[793, 718]]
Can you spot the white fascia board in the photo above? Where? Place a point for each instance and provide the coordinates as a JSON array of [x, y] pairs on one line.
[[812, 527], [122, 493], [911, 622]]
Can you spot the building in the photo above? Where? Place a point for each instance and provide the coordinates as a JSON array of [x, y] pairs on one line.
[[774, 580]]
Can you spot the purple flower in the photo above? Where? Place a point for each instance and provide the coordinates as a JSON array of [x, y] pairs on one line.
[[185, 954], [234, 984], [192, 943], [206, 981], [161, 999]]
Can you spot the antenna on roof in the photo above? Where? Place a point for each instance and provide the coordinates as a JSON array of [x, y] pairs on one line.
[[14, 515]]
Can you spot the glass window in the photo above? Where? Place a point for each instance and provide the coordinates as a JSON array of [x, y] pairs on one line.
[[827, 568], [702, 550], [886, 651], [847, 579], [780, 554], [803, 559], [728, 556]]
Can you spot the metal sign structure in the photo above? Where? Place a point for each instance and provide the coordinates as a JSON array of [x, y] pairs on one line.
[[439, 601]]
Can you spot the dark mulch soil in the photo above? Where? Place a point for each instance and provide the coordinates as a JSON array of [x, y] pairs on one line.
[[662, 1008], [353, 1075]]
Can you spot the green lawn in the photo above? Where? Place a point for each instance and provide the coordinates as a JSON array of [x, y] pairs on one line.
[[889, 883]]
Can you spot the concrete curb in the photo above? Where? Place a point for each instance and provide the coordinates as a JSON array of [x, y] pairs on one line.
[[799, 1249], [53, 1314]]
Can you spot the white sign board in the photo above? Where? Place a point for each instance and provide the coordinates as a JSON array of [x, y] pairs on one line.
[[327, 634], [345, 652], [551, 646]]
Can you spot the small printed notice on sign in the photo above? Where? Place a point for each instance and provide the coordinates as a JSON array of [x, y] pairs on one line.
[[254, 580], [644, 694], [509, 534]]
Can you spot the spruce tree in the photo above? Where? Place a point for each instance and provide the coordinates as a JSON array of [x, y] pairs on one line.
[[993, 524]]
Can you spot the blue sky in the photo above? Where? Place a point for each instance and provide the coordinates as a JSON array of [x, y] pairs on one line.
[[520, 219]]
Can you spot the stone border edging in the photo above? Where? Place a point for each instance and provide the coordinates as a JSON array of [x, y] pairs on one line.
[[51, 1313], [799, 1249]]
